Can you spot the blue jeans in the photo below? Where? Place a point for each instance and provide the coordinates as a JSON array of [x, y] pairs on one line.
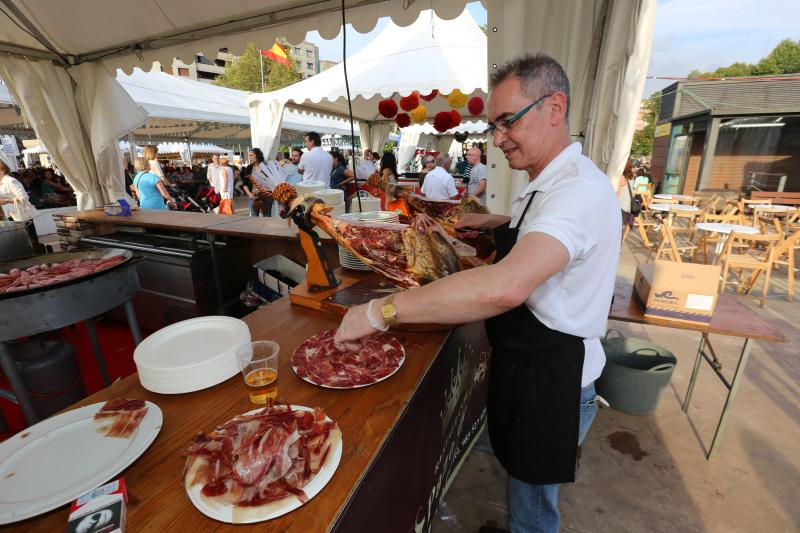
[[534, 508]]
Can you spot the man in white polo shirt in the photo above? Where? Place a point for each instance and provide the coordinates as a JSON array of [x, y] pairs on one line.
[[545, 300], [439, 184], [316, 163]]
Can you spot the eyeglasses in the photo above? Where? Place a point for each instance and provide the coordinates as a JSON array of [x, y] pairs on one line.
[[504, 125]]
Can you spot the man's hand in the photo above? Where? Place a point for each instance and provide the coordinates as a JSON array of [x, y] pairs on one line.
[[480, 221], [354, 327]]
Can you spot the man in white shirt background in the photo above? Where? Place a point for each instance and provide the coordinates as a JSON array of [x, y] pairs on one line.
[[316, 163], [477, 175], [212, 173], [439, 184]]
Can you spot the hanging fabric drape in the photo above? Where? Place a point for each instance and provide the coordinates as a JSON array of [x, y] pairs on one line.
[[265, 126], [407, 149], [62, 107], [443, 143], [363, 134], [586, 43], [454, 150], [623, 66], [374, 135]]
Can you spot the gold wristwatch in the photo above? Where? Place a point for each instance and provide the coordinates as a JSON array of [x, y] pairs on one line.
[[389, 311]]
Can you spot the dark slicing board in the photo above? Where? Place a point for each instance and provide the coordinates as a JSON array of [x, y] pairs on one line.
[[361, 293]]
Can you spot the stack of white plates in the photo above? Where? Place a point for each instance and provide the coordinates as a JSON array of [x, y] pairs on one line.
[[330, 196], [347, 259], [307, 187], [191, 355], [369, 204]]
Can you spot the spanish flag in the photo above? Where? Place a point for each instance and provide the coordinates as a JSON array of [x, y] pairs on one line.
[[277, 53]]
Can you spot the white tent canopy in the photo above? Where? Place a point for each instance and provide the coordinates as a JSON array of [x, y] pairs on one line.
[[123, 34], [181, 108], [603, 44], [183, 105], [431, 53]]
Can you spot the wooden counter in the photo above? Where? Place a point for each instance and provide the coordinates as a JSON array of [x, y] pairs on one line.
[[154, 218], [366, 416]]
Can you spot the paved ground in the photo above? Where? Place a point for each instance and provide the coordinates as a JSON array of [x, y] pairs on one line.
[[649, 473]]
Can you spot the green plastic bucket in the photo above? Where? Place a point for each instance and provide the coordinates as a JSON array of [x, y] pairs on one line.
[[635, 375]]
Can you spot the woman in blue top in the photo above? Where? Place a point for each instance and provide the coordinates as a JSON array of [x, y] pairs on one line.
[[149, 188]]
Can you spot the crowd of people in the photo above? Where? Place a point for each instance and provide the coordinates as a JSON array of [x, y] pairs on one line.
[[155, 186]]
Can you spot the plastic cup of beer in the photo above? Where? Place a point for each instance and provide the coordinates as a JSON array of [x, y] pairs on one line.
[[258, 361]]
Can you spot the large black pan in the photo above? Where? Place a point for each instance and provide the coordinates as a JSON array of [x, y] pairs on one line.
[[95, 253]]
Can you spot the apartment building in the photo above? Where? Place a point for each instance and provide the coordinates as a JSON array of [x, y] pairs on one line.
[[306, 58], [203, 68]]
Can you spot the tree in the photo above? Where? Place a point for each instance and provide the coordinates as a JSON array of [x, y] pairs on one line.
[[783, 59], [244, 73], [643, 139]]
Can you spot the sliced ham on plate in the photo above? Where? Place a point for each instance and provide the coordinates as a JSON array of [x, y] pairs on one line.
[[260, 463], [319, 362], [120, 417]]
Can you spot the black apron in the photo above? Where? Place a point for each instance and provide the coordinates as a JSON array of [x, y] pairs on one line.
[[534, 389]]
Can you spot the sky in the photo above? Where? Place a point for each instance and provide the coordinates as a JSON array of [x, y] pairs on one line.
[[688, 34]]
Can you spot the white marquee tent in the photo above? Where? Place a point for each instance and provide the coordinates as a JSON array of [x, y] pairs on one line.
[[59, 61], [431, 53], [185, 108]]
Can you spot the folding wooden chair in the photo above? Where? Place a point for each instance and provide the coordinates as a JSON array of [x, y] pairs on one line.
[[668, 247], [783, 255], [752, 259]]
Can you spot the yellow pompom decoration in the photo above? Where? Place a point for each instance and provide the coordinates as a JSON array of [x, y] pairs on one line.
[[456, 99], [418, 114]]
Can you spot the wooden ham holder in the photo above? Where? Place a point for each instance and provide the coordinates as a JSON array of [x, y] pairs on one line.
[[320, 282], [324, 291]]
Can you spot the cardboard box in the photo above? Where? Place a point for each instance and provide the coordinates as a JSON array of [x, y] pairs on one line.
[[686, 292], [101, 510], [288, 268]]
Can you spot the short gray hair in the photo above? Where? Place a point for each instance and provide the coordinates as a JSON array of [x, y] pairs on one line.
[[538, 74], [443, 160]]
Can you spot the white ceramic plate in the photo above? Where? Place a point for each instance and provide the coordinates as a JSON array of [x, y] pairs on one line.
[[192, 344], [249, 515], [55, 461]]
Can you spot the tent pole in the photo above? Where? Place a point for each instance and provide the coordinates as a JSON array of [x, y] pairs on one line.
[[189, 148]]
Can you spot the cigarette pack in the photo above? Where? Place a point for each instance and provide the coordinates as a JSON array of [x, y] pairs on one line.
[[101, 510]]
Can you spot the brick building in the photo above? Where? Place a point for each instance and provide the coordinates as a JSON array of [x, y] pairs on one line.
[[736, 135]]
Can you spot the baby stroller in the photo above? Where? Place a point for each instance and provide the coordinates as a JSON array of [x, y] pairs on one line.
[[185, 201], [208, 198]]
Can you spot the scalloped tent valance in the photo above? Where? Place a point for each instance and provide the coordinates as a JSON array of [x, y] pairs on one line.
[[431, 53], [124, 34]]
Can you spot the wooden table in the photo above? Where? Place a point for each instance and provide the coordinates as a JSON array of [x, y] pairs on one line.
[[370, 418], [731, 318], [157, 218]]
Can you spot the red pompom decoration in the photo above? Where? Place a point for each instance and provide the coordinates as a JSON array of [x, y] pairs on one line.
[[443, 121], [402, 120], [428, 97], [387, 108], [407, 103], [475, 105], [455, 118]]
